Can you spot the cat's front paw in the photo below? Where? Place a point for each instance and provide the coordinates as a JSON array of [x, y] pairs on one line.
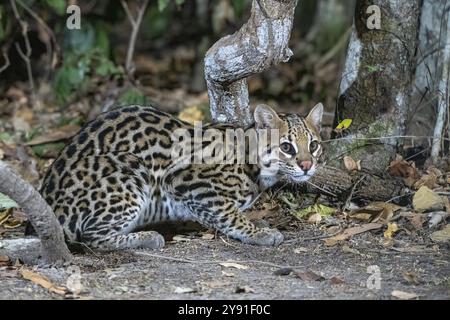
[[265, 237]]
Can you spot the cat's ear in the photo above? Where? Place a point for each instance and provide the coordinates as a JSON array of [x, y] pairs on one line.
[[315, 116], [266, 117]]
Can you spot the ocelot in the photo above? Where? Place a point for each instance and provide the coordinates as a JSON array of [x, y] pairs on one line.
[[118, 176]]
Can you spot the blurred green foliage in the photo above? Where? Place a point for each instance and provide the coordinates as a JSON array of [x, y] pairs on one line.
[[133, 96], [162, 4], [58, 6], [86, 54]]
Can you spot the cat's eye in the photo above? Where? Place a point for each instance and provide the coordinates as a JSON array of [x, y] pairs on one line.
[[313, 146], [288, 148]]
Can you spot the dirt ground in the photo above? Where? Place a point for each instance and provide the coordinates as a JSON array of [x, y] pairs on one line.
[[192, 269]]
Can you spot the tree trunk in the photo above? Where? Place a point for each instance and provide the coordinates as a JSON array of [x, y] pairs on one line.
[[39, 213], [376, 83], [260, 43], [430, 93]]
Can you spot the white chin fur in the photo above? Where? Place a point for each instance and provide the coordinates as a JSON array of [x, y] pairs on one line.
[[303, 177]]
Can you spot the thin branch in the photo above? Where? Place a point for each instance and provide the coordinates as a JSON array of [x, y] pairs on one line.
[[53, 50], [7, 62], [321, 237], [39, 214], [270, 264], [135, 24], [27, 54]]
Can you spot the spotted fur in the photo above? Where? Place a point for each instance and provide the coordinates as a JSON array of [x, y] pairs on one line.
[[117, 176]]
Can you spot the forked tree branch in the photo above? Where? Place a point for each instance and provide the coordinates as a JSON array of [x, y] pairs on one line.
[[27, 54], [260, 43], [39, 214], [135, 26]]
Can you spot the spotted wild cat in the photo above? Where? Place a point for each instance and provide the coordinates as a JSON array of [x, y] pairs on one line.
[[118, 175]]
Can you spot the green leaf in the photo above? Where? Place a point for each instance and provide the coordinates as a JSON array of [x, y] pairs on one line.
[[106, 67], [324, 211], [345, 124], [6, 137], [372, 69], [59, 6], [179, 2], [7, 203], [133, 96], [102, 41], [162, 4]]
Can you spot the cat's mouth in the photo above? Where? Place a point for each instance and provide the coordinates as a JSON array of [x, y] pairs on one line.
[[302, 177]]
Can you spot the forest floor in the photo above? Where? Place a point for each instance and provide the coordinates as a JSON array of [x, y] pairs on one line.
[[193, 267]]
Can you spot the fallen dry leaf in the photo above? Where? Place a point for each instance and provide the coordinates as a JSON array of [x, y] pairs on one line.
[[336, 280], [347, 233], [315, 218], [411, 278], [4, 215], [391, 230], [428, 180], [308, 275], [426, 199], [234, 265], [405, 170], [441, 235], [404, 295], [181, 238], [415, 219], [208, 236], [191, 115], [374, 212], [228, 274], [352, 165], [5, 261], [184, 290], [43, 282]]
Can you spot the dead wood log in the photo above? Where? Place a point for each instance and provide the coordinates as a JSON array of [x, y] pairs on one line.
[[39, 213], [361, 186]]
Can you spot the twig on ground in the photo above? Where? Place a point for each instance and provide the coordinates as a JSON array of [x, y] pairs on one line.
[[321, 189], [350, 196], [325, 236], [270, 264], [135, 25]]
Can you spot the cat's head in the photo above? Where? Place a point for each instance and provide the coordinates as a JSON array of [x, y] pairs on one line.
[[295, 154]]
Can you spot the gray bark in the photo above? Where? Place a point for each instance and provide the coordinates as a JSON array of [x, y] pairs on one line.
[[376, 82], [29, 250], [39, 214], [260, 43], [429, 91]]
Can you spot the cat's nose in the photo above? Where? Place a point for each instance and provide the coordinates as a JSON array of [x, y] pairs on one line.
[[305, 166]]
